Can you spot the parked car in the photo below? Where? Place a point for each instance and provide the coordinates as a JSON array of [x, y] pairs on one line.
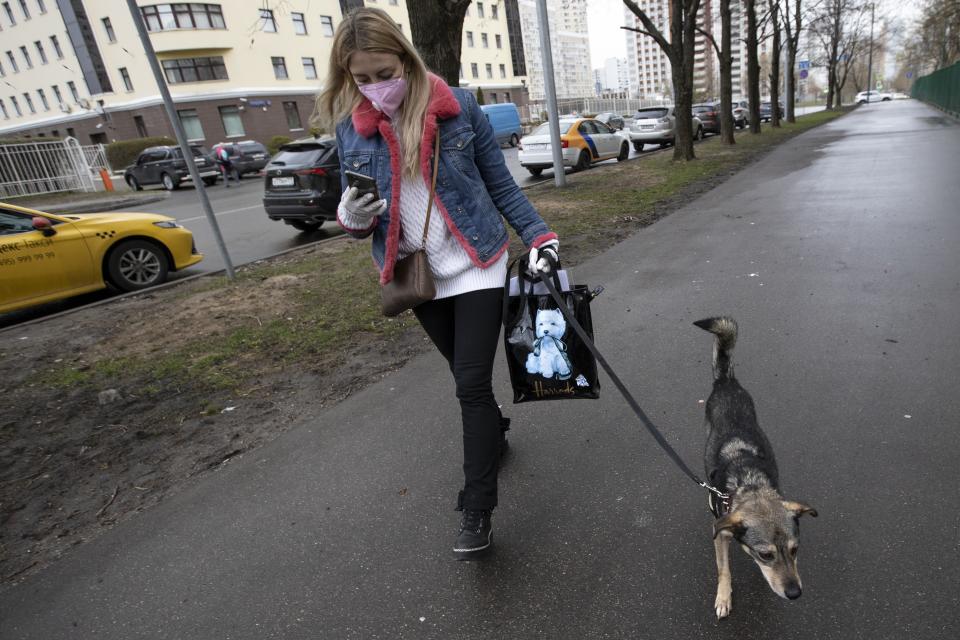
[[302, 183], [766, 111], [741, 114], [246, 156], [165, 166], [873, 96], [657, 125], [612, 120], [46, 257], [584, 141], [709, 114], [505, 120]]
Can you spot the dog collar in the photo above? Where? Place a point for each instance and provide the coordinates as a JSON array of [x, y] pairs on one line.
[[719, 504]]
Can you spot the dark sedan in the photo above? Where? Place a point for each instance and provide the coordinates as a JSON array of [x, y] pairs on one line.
[[165, 166], [766, 112], [302, 184], [709, 114]]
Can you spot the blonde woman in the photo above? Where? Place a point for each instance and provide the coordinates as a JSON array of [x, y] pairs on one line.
[[388, 109]]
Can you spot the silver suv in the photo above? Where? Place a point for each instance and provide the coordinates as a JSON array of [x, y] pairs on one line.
[[657, 125]]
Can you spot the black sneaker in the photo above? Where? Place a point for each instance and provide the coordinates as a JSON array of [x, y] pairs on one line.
[[475, 536]]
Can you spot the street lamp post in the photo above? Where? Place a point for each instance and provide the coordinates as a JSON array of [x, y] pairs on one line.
[[553, 114]]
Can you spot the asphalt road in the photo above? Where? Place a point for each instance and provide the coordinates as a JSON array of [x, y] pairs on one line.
[[837, 254]]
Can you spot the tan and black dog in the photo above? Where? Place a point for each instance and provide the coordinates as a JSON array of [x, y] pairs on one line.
[[739, 461]]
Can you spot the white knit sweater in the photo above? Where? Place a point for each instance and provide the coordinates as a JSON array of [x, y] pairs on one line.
[[453, 270]]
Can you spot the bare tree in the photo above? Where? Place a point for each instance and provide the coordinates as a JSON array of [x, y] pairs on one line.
[[679, 50], [840, 26], [753, 64], [725, 56], [935, 39], [437, 30], [774, 16], [793, 22]]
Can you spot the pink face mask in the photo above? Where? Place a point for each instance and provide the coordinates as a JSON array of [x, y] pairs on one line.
[[386, 96]]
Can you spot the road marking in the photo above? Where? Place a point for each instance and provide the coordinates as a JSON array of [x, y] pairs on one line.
[[221, 213]]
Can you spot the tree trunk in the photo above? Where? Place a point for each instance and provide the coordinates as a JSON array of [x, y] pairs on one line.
[[791, 87], [681, 70], [726, 76], [753, 66], [775, 65], [437, 30]]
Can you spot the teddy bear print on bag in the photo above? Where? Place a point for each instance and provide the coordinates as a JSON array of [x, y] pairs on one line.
[[549, 357]]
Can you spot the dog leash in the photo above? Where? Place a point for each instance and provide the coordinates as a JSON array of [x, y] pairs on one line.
[[622, 388]]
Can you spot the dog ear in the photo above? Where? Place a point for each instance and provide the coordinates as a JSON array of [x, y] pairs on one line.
[[732, 522], [798, 508]]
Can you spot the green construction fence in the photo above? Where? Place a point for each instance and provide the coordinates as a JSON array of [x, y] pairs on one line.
[[941, 89]]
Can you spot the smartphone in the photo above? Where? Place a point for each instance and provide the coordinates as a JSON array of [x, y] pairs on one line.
[[364, 184]]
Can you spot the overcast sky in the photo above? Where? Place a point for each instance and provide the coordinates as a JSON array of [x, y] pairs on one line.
[[607, 39]]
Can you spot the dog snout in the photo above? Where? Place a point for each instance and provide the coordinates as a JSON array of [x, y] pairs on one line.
[[792, 591]]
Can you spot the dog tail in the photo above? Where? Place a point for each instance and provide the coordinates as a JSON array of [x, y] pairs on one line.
[[725, 328]]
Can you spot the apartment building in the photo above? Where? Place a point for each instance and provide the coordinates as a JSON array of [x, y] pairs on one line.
[[649, 68], [235, 68], [570, 45]]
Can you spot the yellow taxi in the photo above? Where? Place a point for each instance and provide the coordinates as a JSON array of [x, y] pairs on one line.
[[583, 141], [46, 257]]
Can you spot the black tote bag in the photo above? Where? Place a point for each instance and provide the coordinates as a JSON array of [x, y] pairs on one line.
[[546, 358]]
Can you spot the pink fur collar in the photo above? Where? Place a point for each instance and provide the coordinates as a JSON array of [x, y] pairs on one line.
[[443, 105]]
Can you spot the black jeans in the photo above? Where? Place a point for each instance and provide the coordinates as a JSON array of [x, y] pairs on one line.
[[466, 329]]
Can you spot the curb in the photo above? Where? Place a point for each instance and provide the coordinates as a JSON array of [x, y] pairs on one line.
[[97, 206]]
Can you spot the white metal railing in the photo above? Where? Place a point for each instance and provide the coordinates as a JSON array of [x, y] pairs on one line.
[[44, 167], [535, 110], [96, 156]]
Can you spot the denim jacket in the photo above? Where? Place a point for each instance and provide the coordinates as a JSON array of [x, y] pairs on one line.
[[475, 190]]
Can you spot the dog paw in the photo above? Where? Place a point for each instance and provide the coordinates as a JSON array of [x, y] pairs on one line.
[[722, 605]]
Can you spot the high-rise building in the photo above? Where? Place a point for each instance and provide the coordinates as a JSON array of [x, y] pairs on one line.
[[570, 45], [648, 67]]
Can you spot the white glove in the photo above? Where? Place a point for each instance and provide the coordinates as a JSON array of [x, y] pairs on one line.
[[363, 208], [537, 260]]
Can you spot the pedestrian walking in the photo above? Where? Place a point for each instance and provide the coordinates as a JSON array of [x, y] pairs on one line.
[[222, 155], [388, 109]]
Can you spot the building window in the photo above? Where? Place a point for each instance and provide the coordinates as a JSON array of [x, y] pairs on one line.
[[469, 38], [499, 42], [73, 90], [279, 68], [3, 110], [299, 24], [484, 41], [489, 71], [16, 105], [9, 12], [41, 6], [232, 124], [13, 62], [194, 69], [191, 124], [326, 25], [293, 116], [57, 94], [480, 10], [494, 12], [41, 52], [71, 133], [125, 75], [473, 70], [56, 47], [503, 71], [506, 96], [3, 74], [25, 9], [140, 125], [394, 2], [309, 68], [108, 27], [43, 100], [29, 101], [161, 17], [267, 23]]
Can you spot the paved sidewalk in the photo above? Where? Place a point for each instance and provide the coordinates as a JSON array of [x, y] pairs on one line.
[[838, 255]]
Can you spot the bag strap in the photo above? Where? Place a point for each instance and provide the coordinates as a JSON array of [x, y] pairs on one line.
[[433, 188], [622, 388]]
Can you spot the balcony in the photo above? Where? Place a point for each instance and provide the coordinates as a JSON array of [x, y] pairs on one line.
[[199, 41]]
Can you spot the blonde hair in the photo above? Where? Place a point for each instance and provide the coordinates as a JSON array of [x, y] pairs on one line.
[[367, 29]]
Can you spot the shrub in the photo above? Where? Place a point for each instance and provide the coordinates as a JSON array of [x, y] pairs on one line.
[[276, 142], [125, 152], [479, 96]]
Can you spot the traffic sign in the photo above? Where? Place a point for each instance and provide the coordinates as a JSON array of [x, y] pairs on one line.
[[804, 65], [803, 74]]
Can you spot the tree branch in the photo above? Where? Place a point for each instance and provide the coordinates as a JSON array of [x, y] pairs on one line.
[[652, 31], [709, 37]]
